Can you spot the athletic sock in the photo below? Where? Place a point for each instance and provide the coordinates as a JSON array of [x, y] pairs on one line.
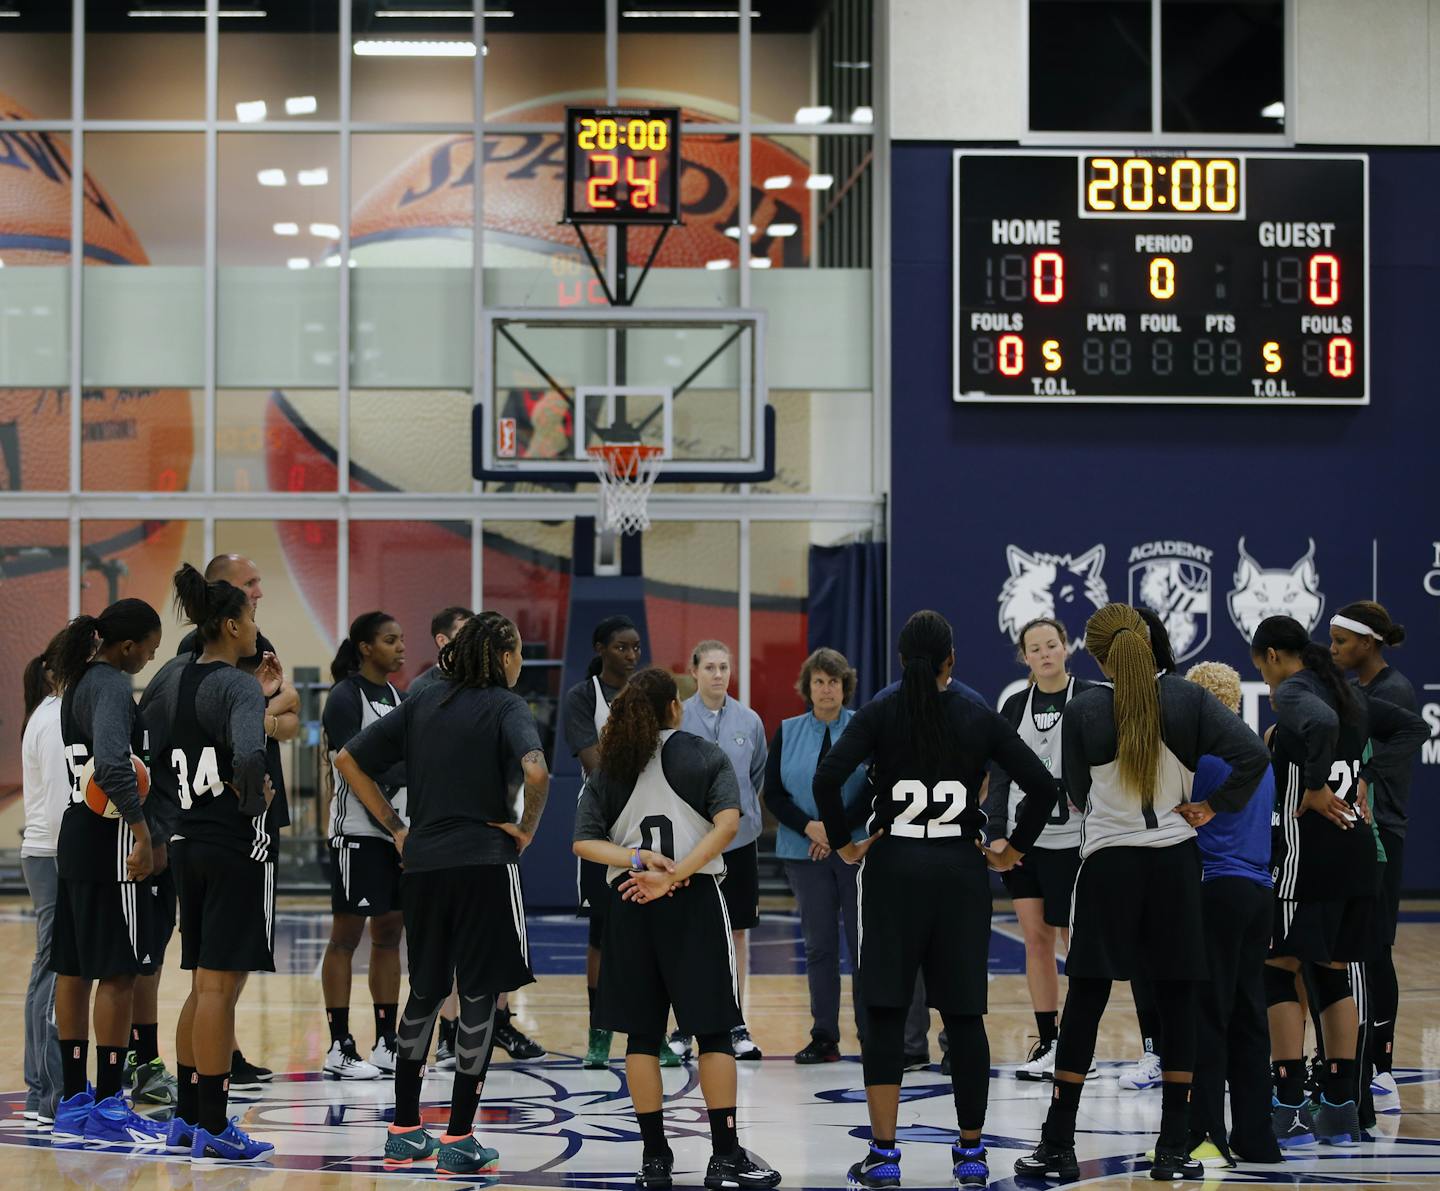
[[464, 1100], [187, 1093], [1059, 1127], [723, 1139], [883, 1143], [1289, 1078], [385, 1024], [109, 1071], [1339, 1080], [74, 1059], [1174, 1115], [213, 1103], [144, 1041], [1384, 1055], [1049, 1026], [409, 1075], [339, 1020], [449, 1026], [590, 993], [652, 1132]]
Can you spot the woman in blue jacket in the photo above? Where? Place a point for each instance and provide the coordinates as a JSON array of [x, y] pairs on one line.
[[824, 884]]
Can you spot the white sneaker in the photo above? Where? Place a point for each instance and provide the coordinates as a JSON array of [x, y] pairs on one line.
[[383, 1057], [1141, 1075], [342, 1061], [742, 1045], [1384, 1091], [1040, 1065]]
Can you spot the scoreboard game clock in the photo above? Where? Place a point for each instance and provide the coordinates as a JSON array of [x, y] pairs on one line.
[[622, 165], [1161, 278]]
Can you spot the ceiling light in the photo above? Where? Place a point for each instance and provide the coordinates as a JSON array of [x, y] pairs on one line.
[[734, 232], [759, 262], [863, 115], [286, 229], [252, 112], [415, 49], [722, 263], [819, 182], [326, 231], [193, 13], [815, 115], [271, 177], [1273, 111], [319, 176], [852, 66], [9, 12], [780, 230], [779, 182], [443, 13], [689, 14], [300, 105], [297, 262]]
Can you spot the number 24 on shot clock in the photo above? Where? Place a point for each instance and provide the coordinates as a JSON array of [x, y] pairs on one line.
[[622, 165]]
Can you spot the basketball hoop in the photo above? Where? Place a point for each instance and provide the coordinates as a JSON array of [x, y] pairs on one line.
[[626, 471]]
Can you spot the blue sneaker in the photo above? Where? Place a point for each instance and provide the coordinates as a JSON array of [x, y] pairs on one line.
[[972, 1167], [71, 1117], [879, 1168], [404, 1146], [464, 1155], [113, 1125], [227, 1148], [181, 1136]]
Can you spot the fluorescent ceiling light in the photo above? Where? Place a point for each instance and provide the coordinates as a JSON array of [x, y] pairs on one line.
[[443, 13], [300, 105], [779, 182], [297, 262], [863, 115], [780, 230], [1274, 111], [271, 177], [193, 13], [815, 115], [734, 232], [327, 231], [722, 263], [251, 112], [286, 229], [759, 262], [689, 14], [319, 176], [819, 182], [9, 12], [415, 49]]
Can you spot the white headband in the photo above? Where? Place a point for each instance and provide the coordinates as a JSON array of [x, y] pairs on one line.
[[1355, 626]]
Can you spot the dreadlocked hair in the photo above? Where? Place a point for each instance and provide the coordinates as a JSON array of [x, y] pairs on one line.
[[473, 657], [1118, 638], [926, 643], [71, 650], [632, 733], [1285, 634]]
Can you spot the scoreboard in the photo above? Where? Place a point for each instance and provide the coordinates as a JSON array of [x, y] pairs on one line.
[[622, 165], [1161, 278]]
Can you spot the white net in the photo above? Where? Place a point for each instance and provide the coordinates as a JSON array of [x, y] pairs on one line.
[[626, 472]]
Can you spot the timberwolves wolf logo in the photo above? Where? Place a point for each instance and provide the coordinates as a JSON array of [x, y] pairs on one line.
[[1260, 592], [1172, 579], [1059, 585]]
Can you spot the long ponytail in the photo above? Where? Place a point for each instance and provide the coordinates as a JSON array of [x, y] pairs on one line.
[[926, 643], [1285, 634], [207, 604], [36, 685], [637, 715], [71, 650], [1117, 637]]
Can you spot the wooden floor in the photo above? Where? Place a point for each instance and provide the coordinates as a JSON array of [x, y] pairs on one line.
[[558, 1125]]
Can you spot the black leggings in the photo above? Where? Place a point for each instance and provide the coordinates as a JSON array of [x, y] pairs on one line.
[[1085, 1005], [883, 1055]]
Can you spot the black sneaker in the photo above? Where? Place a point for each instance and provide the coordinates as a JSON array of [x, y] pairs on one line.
[[516, 1043], [879, 1168], [945, 1063], [1049, 1162], [1291, 1124], [819, 1050], [1170, 1166], [655, 1171], [972, 1166], [740, 1169], [245, 1076]]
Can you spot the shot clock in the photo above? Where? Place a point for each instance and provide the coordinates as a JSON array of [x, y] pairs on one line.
[[622, 165], [1221, 278]]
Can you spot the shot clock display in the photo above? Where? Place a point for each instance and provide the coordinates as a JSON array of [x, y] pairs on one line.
[[622, 165], [1211, 278]]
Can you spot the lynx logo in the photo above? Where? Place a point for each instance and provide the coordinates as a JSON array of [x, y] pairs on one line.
[[1059, 585], [1172, 579], [1259, 592]]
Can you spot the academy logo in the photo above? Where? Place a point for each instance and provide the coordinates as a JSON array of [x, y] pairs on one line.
[[1173, 580], [1067, 587], [1260, 592]]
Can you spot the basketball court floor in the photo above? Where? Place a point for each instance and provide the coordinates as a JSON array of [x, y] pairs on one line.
[[557, 1125]]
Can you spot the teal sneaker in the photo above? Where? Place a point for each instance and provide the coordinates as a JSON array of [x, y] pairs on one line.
[[465, 1155], [404, 1145], [598, 1054]]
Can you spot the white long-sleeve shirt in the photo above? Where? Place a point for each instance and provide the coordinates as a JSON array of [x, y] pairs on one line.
[[46, 779]]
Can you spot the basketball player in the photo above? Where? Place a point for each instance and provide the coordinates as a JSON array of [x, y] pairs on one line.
[[1324, 859], [1359, 633], [657, 813], [102, 926], [1130, 753], [365, 878], [616, 642], [1042, 886], [444, 625], [215, 748], [928, 902], [461, 895], [713, 715]]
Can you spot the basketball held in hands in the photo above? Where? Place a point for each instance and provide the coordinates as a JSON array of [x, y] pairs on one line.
[[96, 798]]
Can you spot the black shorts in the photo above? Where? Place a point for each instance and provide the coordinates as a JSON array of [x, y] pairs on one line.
[[1324, 932], [675, 952], [593, 897], [1138, 913], [1049, 874], [924, 906], [466, 925], [163, 906], [365, 877], [102, 929], [1392, 878], [227, 908], [741, 886]]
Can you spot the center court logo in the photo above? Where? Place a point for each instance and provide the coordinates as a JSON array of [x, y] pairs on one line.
[[1067, 587], [1263, 591], [1173, 580]]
